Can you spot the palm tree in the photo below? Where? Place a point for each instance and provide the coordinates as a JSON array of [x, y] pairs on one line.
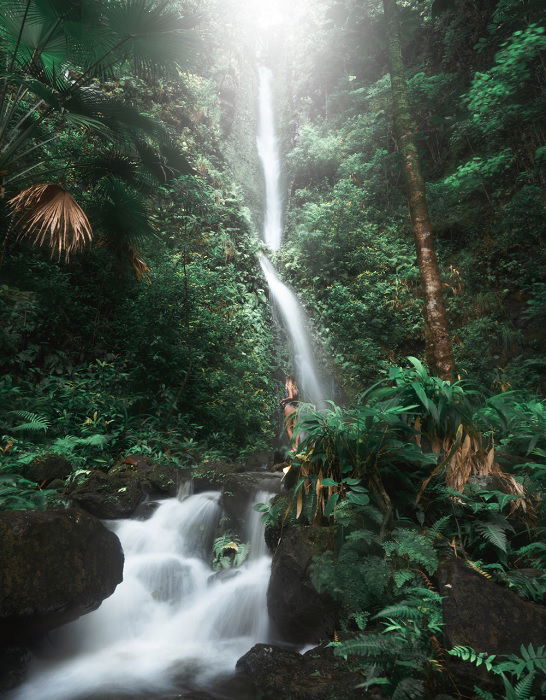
[[54, 55], [436, 327]]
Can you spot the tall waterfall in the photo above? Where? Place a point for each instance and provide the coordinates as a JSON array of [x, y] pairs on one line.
[[291, 311], [169, 625], [268, 152]]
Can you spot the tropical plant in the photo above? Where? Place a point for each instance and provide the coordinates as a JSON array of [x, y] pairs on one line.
[[55, 56], [228, 552], [18, 493], [522, 675]]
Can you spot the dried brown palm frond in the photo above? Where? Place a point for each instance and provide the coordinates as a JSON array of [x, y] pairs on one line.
[[466, 458], [140, 268], [48, 215]]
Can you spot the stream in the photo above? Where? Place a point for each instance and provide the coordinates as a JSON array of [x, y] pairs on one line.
[[172, 626]]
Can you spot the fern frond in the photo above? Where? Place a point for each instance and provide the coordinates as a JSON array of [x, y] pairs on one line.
[[524, 687], [369, 645], [33, 422], [493, 533]]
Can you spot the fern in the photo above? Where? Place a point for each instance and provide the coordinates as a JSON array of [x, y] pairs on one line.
[[33, 422], [475, 657], [413, 549], [439, 526], [494, 532], [368, 645], [522, 689]]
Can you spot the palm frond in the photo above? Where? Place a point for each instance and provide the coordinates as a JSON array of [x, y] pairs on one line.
[[49, 216]]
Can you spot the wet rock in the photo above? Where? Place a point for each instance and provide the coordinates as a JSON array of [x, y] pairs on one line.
[[238, 493], [13, 665], [278, 673], [155, 479], [46, 468], [300, 614], [211, 476], [54, 567], [107, 496], [485, 616], [145, 510], [118, 492], [259, 461]]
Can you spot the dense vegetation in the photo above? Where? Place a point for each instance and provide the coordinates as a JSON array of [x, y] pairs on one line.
[[134, 316], [156, 335]]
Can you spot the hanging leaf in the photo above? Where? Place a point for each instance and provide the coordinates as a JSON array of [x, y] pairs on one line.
[[328, 510]]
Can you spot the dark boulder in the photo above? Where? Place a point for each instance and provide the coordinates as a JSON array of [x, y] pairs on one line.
[[211, 475], [145, 510], [259, 461], [118, 492], [107, 496], [282, 673], [54, 567], [479, 613], [239, 492], [300, 614], [156, 480], [13, 664], [47, 468]]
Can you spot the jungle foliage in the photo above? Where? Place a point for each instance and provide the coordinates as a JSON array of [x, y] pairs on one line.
[[476, 79], [155, 333]]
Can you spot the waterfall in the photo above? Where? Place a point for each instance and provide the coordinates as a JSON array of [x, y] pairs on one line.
[[291, 311], [169, 625], [268, 152]]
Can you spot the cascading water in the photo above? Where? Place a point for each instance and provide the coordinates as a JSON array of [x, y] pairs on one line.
[[291, 311], [268, 152], [295, 322], [169, 625]]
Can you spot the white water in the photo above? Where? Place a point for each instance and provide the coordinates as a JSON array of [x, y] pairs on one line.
[[295, 322], [268, 151], [292, 314], [167, 623]]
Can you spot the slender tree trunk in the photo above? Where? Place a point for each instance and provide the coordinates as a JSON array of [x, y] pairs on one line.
[[436, 328]]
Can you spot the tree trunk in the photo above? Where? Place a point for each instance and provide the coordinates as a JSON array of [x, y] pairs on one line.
[[436, 329]]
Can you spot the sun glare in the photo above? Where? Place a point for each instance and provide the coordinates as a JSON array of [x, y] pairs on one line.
[[267, 13]]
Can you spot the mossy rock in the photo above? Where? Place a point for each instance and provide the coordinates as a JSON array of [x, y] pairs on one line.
[[54, 567], [155, 479], [47, 468], [108, 496], [277, 672], [300, 613]]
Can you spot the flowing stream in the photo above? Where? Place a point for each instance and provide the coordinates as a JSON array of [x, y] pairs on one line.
[[290, 310], [170, 626]]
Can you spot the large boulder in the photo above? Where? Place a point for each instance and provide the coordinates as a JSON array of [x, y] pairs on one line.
[[479, 613], [259, 461], [485, 616], [54, 567], [282, 673], [118, 492], [156, 480], [240, 491], [107, 496], [300, 614], [47, 468]]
